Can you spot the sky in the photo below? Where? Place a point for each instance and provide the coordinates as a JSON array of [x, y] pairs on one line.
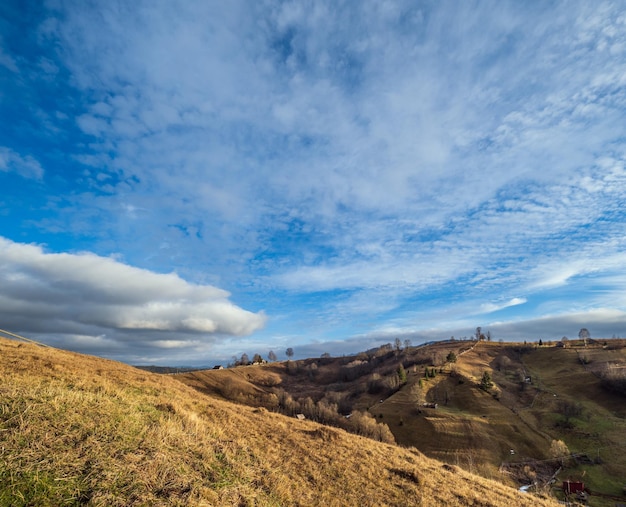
[[183, 182]]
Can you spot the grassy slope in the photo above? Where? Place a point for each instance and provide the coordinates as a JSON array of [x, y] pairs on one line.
[[474, 429], [80, 430], [471, 430], [600, 428], [479, 429]]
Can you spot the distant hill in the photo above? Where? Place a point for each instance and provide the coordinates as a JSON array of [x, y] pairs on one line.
[[540, 395], [167, 370], [79, 430]]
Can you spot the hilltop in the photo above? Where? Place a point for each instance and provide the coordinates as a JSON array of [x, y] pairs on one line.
[[80, 430], [540, 397]]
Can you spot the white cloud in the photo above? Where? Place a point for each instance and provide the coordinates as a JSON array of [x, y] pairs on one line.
[[390, 107], [26, 166], [494, 307], [104, 298]]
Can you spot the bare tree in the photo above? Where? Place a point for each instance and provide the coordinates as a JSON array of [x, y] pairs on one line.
[[418, 393], [272, 356], [478, 333], [584, 335], [289, 352]]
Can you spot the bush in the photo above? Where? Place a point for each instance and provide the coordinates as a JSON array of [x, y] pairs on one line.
[[362, 423], [485, 382], [559, 451], [569, 409], [401, 374], [375, 384], [614, 380]]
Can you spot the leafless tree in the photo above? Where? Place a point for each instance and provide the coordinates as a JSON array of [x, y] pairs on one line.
[[584, 335]]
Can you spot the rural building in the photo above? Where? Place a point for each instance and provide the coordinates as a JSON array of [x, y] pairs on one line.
[[573, 487]]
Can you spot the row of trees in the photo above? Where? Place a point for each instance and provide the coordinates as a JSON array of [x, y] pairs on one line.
[[244, 360], [480, 336], [583, 334], [325, 412]]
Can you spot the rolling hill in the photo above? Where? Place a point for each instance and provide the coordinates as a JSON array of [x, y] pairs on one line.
[[80, 430], [540, 395]]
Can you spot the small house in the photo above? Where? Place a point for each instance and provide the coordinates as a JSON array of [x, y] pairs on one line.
[[573, 487]]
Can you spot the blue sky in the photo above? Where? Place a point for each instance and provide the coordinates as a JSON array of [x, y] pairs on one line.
[[187, 181]]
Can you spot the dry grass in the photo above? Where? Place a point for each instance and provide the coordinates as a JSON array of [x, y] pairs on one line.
[[78, 430], [472, 429]]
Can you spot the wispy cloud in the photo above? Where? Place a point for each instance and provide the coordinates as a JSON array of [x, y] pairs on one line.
[[494, 307], [368, 163], [26, 166]]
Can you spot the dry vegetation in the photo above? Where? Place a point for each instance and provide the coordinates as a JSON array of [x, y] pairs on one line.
[[540, 395], [78, 430]]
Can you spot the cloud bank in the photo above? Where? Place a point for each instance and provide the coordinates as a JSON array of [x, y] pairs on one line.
[[87, 295]]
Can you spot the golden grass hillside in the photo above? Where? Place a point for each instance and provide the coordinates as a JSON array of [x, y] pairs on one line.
[[540, 394], [79, 430]]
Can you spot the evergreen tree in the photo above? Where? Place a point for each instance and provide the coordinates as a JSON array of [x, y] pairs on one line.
[[486, 383]]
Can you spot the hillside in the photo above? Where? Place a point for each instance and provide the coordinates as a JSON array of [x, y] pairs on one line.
[[539, 395], [79, 430]]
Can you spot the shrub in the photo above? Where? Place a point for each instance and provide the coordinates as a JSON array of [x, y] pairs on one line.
[[559, 450], [614, 379], [375, 384], [401, 374], [485, 382], [569, 409]]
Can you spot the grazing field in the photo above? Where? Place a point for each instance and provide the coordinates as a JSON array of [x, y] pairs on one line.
[[79, 430]]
